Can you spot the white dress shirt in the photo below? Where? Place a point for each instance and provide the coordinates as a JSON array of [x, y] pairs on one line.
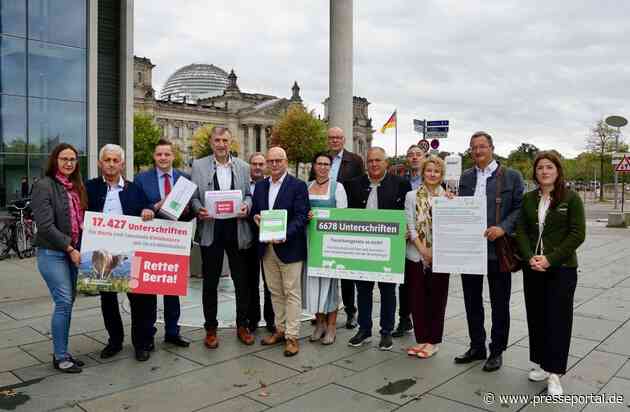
[[336, 164], [160, 175], [482, 178], [224, 175], [274, 188], [112, 201]]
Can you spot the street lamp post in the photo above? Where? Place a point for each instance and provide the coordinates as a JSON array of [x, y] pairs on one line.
[[618, 122]]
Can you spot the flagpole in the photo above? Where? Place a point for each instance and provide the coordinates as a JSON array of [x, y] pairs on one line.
[[396, 135]]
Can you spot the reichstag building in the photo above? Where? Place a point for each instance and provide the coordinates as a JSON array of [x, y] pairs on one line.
[[200, 94]]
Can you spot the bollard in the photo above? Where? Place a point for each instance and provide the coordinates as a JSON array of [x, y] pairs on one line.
[[616, 219]]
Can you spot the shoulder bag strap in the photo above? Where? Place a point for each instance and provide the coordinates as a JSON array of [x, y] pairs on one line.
[[499, 176]]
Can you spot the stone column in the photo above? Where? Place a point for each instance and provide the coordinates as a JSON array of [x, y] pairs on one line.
[[263, 138], [252, 139], [340, 70]]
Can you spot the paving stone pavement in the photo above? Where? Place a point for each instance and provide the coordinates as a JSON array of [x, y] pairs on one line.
[[335, 378]]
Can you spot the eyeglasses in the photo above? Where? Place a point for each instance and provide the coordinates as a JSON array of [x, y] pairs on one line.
[[478, 148], [322, 164], [67, 160], [273, 161]]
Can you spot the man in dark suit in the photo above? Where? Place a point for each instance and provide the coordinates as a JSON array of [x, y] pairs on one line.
[[112, 194], [156, 184], [376, 190], [481, 181], [345, 166], [283, 260]]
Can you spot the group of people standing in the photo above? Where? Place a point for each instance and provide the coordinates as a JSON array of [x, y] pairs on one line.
[[548, 224]]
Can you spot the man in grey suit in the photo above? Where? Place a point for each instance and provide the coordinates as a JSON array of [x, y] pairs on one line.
[[221, 171]]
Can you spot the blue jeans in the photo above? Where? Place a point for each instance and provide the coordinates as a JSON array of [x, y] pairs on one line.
[[60, 275], [388, 306]]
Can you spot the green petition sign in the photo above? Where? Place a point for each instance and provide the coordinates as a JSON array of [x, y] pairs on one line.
[[359, 244]]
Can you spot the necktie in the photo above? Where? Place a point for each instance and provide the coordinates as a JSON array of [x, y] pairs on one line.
[[167, 184]]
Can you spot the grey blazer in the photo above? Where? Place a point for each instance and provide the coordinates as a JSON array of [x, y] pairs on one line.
[[203, 176], [51, 211]]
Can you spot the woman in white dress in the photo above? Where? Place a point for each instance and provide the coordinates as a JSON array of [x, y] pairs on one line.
[[322, 294]]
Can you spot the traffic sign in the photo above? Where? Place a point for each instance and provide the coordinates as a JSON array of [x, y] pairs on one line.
[[424, 145], [418, 125], [436, 135], [624, 165], [437, 123], [437, 129], [435, 143]]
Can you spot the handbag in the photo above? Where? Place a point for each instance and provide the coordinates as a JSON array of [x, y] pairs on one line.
[[506, 247]]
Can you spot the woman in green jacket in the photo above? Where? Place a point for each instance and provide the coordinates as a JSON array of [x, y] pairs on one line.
[[550, 229]]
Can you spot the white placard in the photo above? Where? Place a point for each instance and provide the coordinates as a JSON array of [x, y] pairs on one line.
[[176, 201], [453, 166], [458, 242], [223, 204]]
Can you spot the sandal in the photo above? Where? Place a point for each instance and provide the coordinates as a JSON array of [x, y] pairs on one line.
[[427, 353], [414, 350]]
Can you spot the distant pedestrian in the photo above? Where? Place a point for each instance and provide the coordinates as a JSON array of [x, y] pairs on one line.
[[59, 202], [550, 229]]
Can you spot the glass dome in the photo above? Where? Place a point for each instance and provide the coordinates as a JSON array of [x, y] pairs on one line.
[[195, 81]]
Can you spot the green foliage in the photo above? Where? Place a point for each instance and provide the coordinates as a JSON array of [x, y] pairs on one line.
[[300, 134], [522, 159], [601, 141], [201, 143], [145, 136]]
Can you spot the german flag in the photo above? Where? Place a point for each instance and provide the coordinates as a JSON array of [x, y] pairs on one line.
[[390, 123]]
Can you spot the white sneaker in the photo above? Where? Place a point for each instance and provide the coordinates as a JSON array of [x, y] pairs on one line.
[[538, 375], [553, 385]]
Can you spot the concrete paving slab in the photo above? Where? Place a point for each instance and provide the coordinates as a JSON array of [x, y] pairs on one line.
[[240, 404], [333, 398], [483, 390], [20, 336], [594, 329], [436, 404], [609, 397], [80, 324], [605, 308], [7, 378], [15, 358], [299, 385], [624, 372], [42, 370], [404, 378], [584, 294], [20, 282], [366, 359], [618, 342], [571, 387], [618, 293], [209, 385], [518, 357], [100, 380], [77, 345], [42, 306], [579, 347], [597, 368]]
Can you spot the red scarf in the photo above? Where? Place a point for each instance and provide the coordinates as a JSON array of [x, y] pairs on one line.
[[76, 211]]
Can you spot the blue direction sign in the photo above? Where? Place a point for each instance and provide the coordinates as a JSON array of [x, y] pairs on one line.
[[437, 123], [443, 129]]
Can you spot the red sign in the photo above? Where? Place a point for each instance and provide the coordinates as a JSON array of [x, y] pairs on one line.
[[223, 207], [159, 273], [624, 165], [435, 143], [424, 145]]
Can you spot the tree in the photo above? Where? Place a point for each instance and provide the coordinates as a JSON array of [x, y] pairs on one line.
[[300, 134], [201, 143], [146, 134], [600, 142], [522, 158]]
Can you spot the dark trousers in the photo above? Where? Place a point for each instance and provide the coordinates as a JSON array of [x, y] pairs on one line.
[[404, 307], [211, 265], [500, 284], [347, 296], [388, 305], [171, 315], [254, 270], [142, 318], [427, 294], [549, 305]]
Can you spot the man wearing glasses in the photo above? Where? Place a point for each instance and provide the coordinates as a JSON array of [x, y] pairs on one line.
[[220, 172], [481, 181]]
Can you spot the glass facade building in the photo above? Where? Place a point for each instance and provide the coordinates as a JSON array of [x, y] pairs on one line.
[[43, 86]]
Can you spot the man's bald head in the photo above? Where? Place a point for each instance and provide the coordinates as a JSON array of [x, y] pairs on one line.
[[277, 162], [336, 139]]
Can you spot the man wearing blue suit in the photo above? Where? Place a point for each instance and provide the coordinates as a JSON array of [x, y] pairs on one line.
[[283, 260], [156, 184]]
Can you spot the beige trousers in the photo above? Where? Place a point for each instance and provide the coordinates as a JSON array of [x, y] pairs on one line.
[[284, 283]]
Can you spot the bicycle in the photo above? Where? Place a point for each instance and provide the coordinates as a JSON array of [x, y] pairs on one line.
[[19, 232]]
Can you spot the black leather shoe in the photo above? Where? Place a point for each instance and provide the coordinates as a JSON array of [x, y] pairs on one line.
[[471, 355], [177, 341], [68, 365], [142, 355], [151, 347], [110, 350], [404, 326], [493, 363], [351, 322], [271, 328]]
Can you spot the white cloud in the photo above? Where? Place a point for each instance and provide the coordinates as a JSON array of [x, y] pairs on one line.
[[526, 71]]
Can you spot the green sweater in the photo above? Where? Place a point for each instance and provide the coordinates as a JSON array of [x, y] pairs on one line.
[[563, 233]]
